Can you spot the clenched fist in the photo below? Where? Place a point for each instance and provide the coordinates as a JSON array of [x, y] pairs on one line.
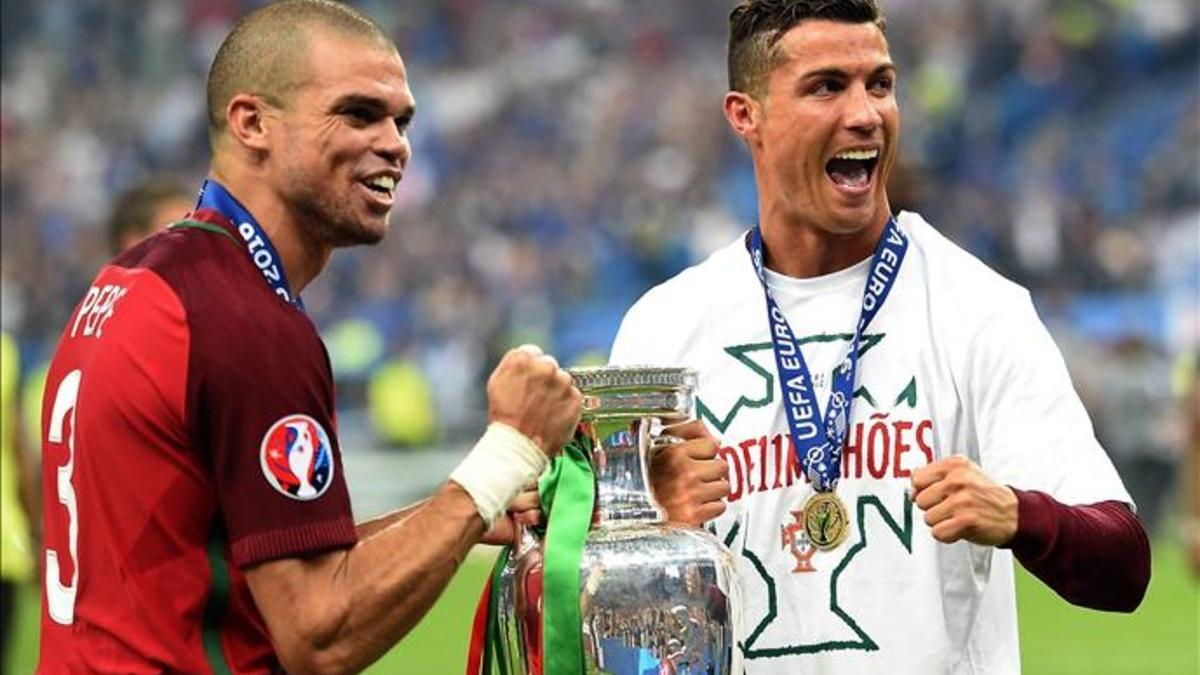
[[961, 502], [529, 392], [689, 480]]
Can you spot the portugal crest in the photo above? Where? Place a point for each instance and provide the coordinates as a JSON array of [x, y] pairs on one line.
[[795, 540], [297, 458]]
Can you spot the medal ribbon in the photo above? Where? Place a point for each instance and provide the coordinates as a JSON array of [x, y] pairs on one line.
[[818, 439], [214, 197]]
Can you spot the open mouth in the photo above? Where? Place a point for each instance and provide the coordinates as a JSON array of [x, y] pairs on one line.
[[384, 186], [853, 169]]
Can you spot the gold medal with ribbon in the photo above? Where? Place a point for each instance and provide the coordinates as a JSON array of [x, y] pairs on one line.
[[818, 438]]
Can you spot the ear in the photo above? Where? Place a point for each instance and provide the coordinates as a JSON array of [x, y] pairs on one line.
[[743, 114], [245, 119]]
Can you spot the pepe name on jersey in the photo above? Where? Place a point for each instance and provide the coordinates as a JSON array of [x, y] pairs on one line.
[[96, 309]]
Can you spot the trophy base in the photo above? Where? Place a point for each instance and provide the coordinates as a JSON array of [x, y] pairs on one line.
[[656, 593]]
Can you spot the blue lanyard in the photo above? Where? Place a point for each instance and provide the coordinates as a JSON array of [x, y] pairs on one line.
[[214, 196], [819, 444]]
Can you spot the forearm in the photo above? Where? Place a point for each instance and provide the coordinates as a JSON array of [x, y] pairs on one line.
[[394, 576], [374, 525], [1094, 555], [376, 591]]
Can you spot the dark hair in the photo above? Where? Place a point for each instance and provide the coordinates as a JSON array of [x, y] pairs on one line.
[[264, 53], [134, 210], [756, 26]]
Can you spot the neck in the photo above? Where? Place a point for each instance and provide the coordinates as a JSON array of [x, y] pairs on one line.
[[302, 256], [803, 250]]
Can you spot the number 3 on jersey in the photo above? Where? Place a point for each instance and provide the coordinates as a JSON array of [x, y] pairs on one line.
[[60, 599]]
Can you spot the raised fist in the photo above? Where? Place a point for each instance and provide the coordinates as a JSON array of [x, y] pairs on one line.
[[529, 392], [961, 502]]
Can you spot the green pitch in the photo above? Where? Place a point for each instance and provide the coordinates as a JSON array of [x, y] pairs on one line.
[[1163, 636]]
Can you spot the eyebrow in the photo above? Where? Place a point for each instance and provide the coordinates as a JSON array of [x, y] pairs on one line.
[[375, 105], [841, 74]]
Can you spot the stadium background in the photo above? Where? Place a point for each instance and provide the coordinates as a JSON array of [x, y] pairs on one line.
[[569, 155]]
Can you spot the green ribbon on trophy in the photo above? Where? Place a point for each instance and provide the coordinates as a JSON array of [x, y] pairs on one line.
[[567, 492]]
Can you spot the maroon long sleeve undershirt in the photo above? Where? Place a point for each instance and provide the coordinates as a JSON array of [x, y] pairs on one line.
[[1093, 555]]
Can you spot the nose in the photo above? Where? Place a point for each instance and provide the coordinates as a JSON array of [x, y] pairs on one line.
[[393, 144], [862, 112]]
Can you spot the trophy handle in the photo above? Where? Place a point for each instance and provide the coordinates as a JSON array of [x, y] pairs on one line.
[[523, 539], [658, 441]]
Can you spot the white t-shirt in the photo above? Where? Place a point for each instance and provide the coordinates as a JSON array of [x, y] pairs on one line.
[[956, 362]]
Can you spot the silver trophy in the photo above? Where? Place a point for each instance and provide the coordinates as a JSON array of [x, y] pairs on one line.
[[652, 592]]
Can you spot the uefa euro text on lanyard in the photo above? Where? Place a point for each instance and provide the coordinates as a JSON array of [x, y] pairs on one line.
[[214, 197], [818, 438]]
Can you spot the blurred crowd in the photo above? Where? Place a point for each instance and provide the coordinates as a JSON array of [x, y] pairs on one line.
[[570, 154]]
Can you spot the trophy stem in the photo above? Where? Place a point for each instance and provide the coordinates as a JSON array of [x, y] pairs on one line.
[[619, 455]]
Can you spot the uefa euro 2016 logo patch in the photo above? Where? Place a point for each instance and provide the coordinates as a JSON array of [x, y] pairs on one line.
[[297, 458]]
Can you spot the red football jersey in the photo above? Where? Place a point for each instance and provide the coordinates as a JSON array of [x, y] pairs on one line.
[[188, 432]]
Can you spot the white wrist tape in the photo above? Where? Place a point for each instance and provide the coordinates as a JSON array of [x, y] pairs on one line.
[[502, 463]]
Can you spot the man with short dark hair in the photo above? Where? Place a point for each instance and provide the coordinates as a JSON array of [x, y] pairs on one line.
[[855, 365], [196, 514]]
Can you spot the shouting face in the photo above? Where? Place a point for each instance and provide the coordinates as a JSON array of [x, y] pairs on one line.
[[343, 145], [823, 130]]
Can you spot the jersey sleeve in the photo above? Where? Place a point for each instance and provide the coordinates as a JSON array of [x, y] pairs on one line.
[[1032, 429], [263, 407]]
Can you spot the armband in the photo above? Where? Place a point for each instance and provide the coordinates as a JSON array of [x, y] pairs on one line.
[[500, 465]]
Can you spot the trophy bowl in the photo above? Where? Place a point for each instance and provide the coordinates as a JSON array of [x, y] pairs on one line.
[[653, 593]]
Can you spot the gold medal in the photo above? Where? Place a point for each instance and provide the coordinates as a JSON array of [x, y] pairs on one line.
[[825, 520]]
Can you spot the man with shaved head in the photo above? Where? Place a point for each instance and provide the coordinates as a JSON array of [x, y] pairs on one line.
[[196, 513]]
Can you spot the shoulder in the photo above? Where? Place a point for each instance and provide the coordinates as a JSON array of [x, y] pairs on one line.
[[696, 285], [672, 313], [959, 282], [229, 310], [987, 324], [212, 274], [198, 264]]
